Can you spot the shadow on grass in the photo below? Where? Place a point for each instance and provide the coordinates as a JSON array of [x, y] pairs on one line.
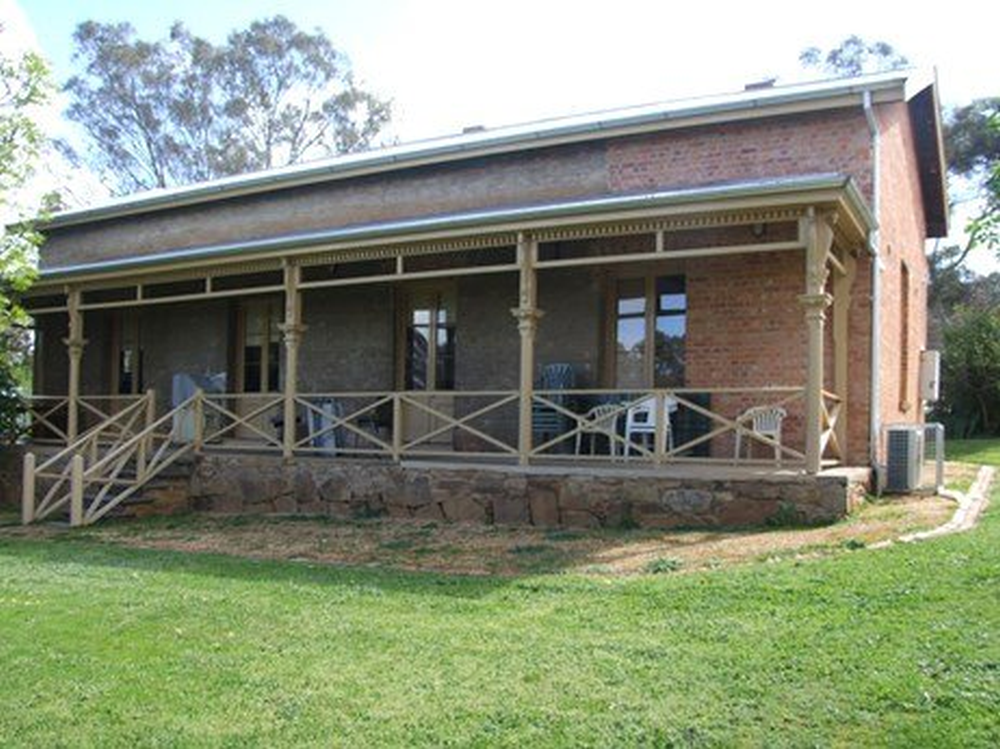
[[74, 551], [445, 559]]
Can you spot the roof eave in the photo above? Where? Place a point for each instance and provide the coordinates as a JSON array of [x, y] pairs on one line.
[[810, 189]]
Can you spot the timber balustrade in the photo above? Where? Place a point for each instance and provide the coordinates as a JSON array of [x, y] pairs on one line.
[[132, 444]]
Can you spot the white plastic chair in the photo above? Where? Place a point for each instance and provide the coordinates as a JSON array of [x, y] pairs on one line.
[[600, 420], [764, 421], [640, 419]]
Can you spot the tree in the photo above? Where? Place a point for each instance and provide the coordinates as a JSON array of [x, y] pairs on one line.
[[182, 110], [854, 56], [972, 138], [23, 85], [971, 373]]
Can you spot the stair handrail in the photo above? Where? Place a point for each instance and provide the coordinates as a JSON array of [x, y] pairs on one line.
[[80, 475], [149, 431], [85, 439], [146, 470]]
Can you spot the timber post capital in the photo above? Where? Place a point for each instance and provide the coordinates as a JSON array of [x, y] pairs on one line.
[[815, 303], [292, 332], [75, 345], [527, 318]]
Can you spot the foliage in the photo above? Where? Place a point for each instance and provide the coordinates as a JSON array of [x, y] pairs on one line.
[[972, 140], [952, 287], [24, 85], [970, 375], [972, 146], [116, 647], [182, 110], [854, 56]]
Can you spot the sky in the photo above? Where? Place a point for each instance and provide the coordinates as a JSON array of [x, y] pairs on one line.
[[451, 64]]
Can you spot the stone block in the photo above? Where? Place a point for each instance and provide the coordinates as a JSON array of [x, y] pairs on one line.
[[510, 510], [303, 486], [430, 511], [579, 519], [543, 504], [690, 502], [334, 489], [740, 511], [463, 509], [315, 508], [285, 503], [417, 491]]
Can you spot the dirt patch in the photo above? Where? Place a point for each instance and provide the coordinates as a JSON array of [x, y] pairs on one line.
[[504, 550]]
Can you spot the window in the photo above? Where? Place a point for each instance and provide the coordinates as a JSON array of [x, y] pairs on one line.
[[429, 359], [650, 329], [261, 346]]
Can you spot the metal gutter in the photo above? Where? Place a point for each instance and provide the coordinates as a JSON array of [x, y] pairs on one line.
[[480, 222], [730, 107]]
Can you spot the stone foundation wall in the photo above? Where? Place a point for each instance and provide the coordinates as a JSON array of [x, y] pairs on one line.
[[506, 495]]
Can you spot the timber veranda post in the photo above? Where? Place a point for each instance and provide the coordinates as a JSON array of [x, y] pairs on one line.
[[527, 315], [293, 330], [842, 285], [818, 238], [75, 343]]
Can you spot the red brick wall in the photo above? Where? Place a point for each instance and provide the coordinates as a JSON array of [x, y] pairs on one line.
[[901, 241], [773, 147]]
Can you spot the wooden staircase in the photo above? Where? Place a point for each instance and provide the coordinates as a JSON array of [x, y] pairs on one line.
[[129, 462]]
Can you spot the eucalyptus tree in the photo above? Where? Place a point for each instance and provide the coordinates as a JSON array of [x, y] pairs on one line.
[[181, 109]]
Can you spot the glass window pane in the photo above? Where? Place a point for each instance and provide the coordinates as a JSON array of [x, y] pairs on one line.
[[668, 365], [630, 353], [445, 372], [417, 350], [671, 294], [251, 369], [631, 297], [125, 371], [273, 366]]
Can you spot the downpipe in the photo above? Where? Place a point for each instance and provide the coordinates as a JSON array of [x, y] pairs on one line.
[[874, 242]]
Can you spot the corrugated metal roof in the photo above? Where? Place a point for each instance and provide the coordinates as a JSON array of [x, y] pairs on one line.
[[749, 103], [482, 222]]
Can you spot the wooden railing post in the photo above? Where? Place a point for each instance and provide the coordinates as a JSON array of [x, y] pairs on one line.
[[76, 492], [659, 436], [198, 408], [397, 427], [28, 489]]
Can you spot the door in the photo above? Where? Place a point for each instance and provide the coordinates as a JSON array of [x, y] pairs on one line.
[[428, 360], [127, 364], [259, 363]]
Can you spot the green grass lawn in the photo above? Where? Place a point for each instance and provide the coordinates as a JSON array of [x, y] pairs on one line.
[[105, 646], [984, 451]]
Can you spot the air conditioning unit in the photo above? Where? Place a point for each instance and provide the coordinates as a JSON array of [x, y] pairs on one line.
[[904, 458]]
